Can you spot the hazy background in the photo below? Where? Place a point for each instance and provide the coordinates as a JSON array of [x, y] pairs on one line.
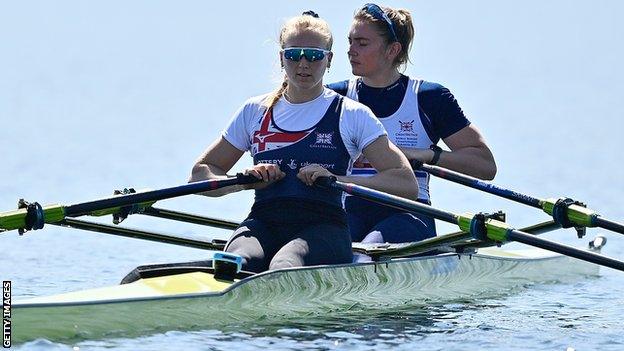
[[102, 95]]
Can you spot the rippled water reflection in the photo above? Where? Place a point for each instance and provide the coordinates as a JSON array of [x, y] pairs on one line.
[[519, 321]]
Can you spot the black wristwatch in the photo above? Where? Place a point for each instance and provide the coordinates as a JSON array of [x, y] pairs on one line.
[[437, 151]]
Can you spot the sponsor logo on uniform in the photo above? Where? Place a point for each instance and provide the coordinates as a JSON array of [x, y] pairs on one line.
[[324, 140], [294, 164], [263, 141], [261, 137], [407, 127], [324, 165], [273, 162]]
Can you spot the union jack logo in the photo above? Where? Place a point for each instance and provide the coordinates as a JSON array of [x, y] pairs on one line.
[[407, 126], [324, 138]]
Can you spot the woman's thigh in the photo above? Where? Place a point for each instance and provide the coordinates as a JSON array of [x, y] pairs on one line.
[[254, 243], [315, 245]]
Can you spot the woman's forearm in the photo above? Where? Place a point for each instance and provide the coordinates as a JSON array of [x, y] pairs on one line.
[[473, 161], [202, 171]]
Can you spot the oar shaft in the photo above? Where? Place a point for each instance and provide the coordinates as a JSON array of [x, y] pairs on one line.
[[481, 185], [541, 228], [607, 224], [457, 240], [189, 218], [138, 234], [154, 195], [390, 200], [515, 235]]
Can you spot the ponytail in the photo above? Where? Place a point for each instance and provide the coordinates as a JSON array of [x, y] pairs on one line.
[[272, 99]]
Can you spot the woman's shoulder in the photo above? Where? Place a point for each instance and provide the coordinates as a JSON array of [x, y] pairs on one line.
[[253, 105], [352, 107], [429, 88], [256, 101], [339, 87]]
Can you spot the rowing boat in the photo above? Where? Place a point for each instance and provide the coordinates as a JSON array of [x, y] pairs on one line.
[[195, 299], [459, 265]]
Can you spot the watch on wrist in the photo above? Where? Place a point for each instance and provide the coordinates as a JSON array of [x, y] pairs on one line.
[[437, 151]]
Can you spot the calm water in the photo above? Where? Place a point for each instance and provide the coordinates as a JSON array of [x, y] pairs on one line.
[[88, 107], [583, 315]]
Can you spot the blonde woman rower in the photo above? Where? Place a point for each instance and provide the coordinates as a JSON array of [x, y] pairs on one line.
[[296, 134]]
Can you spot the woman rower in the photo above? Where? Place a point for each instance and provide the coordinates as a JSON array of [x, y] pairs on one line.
[[416, 114], [296, 134]]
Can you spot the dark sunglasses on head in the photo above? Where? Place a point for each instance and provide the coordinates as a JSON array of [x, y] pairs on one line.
[[311, 54], [379, 14]]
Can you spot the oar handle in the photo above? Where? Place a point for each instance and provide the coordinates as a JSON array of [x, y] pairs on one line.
[[325, 182]]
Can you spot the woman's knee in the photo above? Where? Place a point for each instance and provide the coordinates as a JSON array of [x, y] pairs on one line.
[[246, 242], [291, 255], [403, 227]]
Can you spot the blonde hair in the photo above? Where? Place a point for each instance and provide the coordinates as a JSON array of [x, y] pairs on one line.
[[294, 26], [403, 27]]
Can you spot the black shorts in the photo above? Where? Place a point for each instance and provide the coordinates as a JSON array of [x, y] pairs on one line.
[[292, 233]]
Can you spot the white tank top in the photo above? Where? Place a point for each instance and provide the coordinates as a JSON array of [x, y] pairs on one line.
[[405, 129]]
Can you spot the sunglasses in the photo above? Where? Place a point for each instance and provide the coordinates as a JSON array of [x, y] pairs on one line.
[[379, 14], [311, 54]]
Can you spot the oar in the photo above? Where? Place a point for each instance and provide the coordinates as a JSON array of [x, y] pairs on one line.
[[460, 241], [189, 218], [215, 244], [480, 227], [33, 216], [564, 211]]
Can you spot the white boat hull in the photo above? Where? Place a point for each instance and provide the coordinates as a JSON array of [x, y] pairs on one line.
[[132, 309]]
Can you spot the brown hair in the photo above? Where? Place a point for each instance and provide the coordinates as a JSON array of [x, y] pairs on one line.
[[296, 25], [403, 27]]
